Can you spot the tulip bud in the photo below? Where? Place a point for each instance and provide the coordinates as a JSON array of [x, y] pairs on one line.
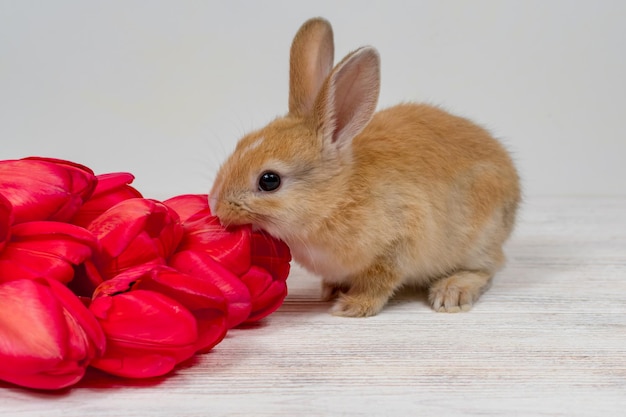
[[148, 333], [266, 278], [259, 261], [47, 336], [204, 233], [45, 249], [271, 254], [189, 206], [201, 265], [45, 189], [110, 190], [203, 299], [135, 232]]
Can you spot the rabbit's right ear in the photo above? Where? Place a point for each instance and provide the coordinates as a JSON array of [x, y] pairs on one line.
[[311, 60]]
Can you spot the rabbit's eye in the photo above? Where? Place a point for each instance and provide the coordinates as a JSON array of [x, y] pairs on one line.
[[269, 181]]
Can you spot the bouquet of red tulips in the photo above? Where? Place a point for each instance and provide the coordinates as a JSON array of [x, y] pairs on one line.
[[93, 274]]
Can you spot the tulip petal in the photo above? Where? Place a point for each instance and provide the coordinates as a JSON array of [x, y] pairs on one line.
[[45, 189], [135, 364], [147, 333], [111, 189], [45, 249], [267, 294], [270, 254], [203, 299], [231, 247], [134, 232], [203, 266], [28, 305], [70, 243], [6, 219], [189, 207], [84, 323], [43, 343]]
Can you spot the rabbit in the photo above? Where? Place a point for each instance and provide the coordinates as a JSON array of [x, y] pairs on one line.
[[372, 201]]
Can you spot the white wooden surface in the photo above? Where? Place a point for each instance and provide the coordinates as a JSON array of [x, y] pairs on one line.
[[549, 339]]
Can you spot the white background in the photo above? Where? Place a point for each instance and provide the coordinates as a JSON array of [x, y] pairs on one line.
[[164, 89]]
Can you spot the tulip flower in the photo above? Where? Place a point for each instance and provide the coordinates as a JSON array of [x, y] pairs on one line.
[[155, 317], [47, 336], [148, 333], [203, 299], [204, 267], [45, 189], [204, 233], [190, 207], [259, 261], [45, 249], [135, 232], [266, 278], [6, 219], [110, 190], [271, 254]]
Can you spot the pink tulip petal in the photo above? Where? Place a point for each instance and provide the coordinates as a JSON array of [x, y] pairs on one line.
[[203, 266], [144, 330]]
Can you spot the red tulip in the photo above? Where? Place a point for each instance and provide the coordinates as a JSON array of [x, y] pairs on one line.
[[45, 189], [148, 333], [206, 268], [266, 278], [204, 233], [231, 248], [266, 293], [47, 336], [111, 189], [203, 299], [259, 261], [135, 232], [271, 254], [6, 220], [45, 250], [190, 206]]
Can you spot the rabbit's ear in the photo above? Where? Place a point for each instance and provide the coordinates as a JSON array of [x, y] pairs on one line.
[[311, 60], [348, 98]]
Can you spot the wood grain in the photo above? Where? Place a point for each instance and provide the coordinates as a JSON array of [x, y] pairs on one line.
[[548, 339]]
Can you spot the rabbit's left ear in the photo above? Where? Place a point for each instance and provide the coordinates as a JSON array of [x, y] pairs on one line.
[[348, 98], [311, 60]]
